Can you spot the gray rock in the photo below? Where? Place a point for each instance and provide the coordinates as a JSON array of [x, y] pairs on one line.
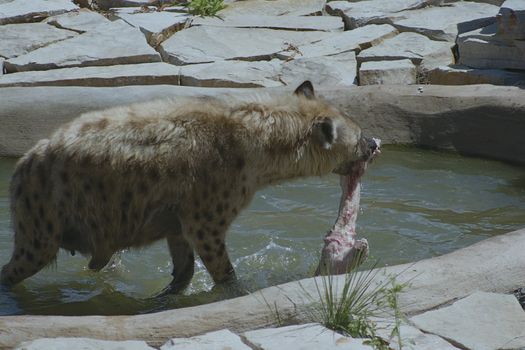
[[79, 21], [310, 336], [324, 72], [126, 74], [387, 72], [360, 38], [360, 13], [482, 48], [2, 65], [511, 19], [231, 74], [19, 39], [21, 11], [111, 44], [204, 44], [223, 339], [407, 45], [107, 4], [157, 26], [462, 75], [82, 343], [446, 22], [323, 23], [274, 8], [481, 321]]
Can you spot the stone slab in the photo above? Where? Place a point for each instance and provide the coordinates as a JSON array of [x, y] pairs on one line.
[[243, 74], [22, 11], [387, 72], [82, 343], [406, 45], [204, 44], [511, 19], [483, 49], [462, 75], [111, 44], [446, 22], [119, 75], [157, 26], [286, 22], [324, 72], [274, 8], [356, 39], [79, 21], [481, 321], [20, 39], [223, 339], [311, 336], [360, 13]]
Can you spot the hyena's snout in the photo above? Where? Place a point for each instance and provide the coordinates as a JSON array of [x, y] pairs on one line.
[[370, 147]]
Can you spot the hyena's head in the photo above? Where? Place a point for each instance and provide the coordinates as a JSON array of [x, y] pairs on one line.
[[337, 133]]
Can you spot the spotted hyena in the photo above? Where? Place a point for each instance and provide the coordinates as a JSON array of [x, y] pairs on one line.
[[179, 169]]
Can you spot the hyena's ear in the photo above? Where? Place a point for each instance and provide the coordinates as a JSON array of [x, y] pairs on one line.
[[306, 89], [324, 132]]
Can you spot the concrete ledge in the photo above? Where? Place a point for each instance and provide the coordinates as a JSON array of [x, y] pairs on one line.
[[481, 120], [493, 265]]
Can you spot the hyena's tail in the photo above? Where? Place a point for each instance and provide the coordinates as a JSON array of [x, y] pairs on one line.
[[36, 232]]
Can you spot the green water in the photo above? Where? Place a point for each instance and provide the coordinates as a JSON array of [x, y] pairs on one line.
[[415, 204]]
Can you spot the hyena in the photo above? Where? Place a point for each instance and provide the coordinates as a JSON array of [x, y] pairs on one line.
[[180, 169]]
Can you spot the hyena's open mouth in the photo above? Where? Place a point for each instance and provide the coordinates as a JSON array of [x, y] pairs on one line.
[[342, 251]]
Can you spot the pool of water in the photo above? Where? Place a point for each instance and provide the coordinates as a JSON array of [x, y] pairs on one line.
[[415, 204]]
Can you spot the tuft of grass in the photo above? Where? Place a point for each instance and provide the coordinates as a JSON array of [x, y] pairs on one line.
[[351, 310], [205, 7]]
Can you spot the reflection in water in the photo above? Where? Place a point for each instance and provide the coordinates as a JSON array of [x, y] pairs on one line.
[[415, 204]]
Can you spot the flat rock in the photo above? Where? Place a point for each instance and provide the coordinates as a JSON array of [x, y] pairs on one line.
[[356, 39], [157, 26], [360, 13], [19, 39], [126, 74], [387, 72], [462, 75], [481, 321], [111, 44], [511, 19], [310, 336], [324, 72], [274, 8], [223, 339], [446, 22], [482, 48], [288, 22], [82, 343], [231, 74], [79, 21], [21, 11], [407, 45], [204, 44]]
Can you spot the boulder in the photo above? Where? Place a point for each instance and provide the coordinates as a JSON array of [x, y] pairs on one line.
[[223, 339], [360, 13], [511, 19], [204, 44], [110, 44], [78, 21], [119, 75], [231, 74], [387, 72], [274, 8], [287, 22], [446, 22], [20, 39], [484, 48], [350, 40], [310, 336], [462, 75], [481, 321], [157, 26], [410, 46], [21, 11], [82, 343]]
